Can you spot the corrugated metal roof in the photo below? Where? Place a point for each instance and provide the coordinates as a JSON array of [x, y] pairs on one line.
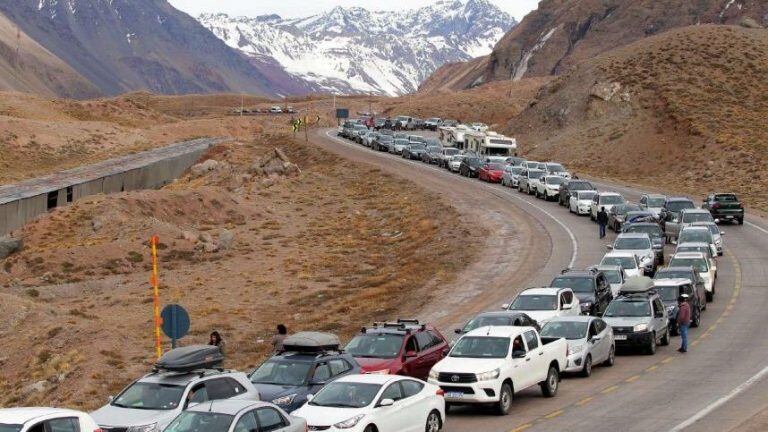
[[57, 181]]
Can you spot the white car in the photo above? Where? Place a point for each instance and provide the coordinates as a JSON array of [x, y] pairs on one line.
[[236, 416], [454, 163], [626, 260], [532, 165], [372, 402], [480, 127], [555, 168], [543, 304], [702, 247], [641, 246], [700, 263], [653, 203], [276, 110], [696, 234], [580, 202], [548, 187], [45, 419], [604, 200], [590, 342], [717, 234], [510, 176]]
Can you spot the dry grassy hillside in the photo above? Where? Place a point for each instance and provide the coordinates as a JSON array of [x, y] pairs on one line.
[[687, 108]]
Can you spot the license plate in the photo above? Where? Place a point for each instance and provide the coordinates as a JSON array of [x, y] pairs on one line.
[[620, 337], [729, 217], [454, 394]]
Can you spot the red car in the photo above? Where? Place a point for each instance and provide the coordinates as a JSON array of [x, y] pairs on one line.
[[404, 347], [491, 172]]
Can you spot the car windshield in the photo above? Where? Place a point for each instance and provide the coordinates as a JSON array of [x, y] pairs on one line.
[[626, 208], [676, 206], [474, 161], [282, 372], [587, 195], [534, 302], [193, 421], [535, 174], [480, 347], [714, 229], [417, 147], [628, 308], [699, 264], [689, 217], [612, 276], [576, 284], [570, 330], [150, 396], [451, 151], [375, 345], [555, 180], [4, 427], [657, 202], [627, 263], [668, 293], [612, 199], [400, 141], [581, 185], [385, 138], [695, 236], [688, 248], [515, 170], [458, 157], [669, 274], [486, 321], [652, 230], [346, 395], [629, 243], [555, 167], [726, 198], [495, 166]]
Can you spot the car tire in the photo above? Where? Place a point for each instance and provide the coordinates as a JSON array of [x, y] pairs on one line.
[[433, 422], [611, 360], [651, 348], [505, 400], [370, 428], [711, 295], [550, 385], [665, 338], [696, 321], [586, 371], [741, 221]]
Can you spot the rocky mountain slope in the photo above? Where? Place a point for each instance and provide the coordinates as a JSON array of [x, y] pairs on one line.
[[561, 33], [123, 45], [353, 50]]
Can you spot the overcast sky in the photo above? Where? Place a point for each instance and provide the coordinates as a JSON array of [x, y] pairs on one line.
[[300, 8]]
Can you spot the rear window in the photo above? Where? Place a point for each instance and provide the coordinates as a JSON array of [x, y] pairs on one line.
[[726, 198], [676, 206]]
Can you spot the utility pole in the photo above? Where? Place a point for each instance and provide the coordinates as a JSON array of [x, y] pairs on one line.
[[242, 104]]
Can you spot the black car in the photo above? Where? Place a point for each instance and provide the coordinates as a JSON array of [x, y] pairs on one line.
[[566, 188], [654, 231], [470, 166], [382, 123], [724, 207], [617, 214], [432, 155], [669, 291], [414, 151], [501, 318], [590, 286], [670, 211], [382, 142], [685, 273]]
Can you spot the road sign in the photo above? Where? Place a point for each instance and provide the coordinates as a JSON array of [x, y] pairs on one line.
[[175, 322], [342, 113]]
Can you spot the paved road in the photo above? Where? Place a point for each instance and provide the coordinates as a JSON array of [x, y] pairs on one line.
[[663, 392]]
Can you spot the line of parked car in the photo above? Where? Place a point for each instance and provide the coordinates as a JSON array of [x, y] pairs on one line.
[[405, 375]]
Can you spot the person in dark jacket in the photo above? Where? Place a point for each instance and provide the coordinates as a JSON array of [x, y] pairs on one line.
[[277, 339], [602, 221], [216, 340], [683, 321]]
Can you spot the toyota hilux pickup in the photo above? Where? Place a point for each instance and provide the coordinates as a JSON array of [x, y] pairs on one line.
[[489, 365], [724, 207]]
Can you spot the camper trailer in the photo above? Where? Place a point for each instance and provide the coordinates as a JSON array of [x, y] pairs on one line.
[[490, 144]]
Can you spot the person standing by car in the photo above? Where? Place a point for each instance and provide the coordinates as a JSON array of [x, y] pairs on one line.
[[602, 221], [683, 321], [277, 340], [216, 340]]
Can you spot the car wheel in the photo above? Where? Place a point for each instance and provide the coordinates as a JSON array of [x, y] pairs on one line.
[[433, 422], [711, 295], [665, 339], [696, 318], [651, 348], [611, 360], [370, 428], [505, 399], [741, 221], [586, 372], [550, 385]]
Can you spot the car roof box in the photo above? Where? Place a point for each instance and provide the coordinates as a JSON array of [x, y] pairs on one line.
[[637, 284], [190, 358], [311, 342]]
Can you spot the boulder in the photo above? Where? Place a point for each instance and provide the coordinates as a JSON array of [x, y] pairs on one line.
[[226, 238], [202, 168], [605, 90], [750, 22], [9, 245], [37, 387]]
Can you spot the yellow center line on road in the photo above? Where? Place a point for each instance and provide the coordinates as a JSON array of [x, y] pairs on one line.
[[652, 368], [610, 389], [667, 360], [694, 343], [632, 378], [584, 401], [554, 414], [521, 427]]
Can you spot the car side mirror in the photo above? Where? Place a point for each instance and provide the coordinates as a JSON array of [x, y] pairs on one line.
[[410, 354], [518, 354], [316, 382], [566, 306], [110, 399], [722, 233], [609, 247], [457, 331], [310, 397], [386, 402], [505, 306]]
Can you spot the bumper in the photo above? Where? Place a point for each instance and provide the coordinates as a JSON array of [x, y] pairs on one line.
[[582, 210], [472, 393], [575, 363], [637, 339], [728, 216]]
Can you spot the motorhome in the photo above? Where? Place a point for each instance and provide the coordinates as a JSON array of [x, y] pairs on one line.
[[490, 144]]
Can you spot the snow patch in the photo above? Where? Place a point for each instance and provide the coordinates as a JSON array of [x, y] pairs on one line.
[[522, 67]]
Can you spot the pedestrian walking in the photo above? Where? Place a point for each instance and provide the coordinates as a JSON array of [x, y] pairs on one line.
[[217, 340], [683, 321], [277, 339], [602, 221]]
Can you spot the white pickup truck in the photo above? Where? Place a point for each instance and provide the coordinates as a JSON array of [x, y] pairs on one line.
[[489, 365]]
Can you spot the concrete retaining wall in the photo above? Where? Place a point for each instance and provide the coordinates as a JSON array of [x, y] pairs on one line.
[[22, 202]]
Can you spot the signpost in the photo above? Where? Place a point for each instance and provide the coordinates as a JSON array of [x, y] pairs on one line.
[[155, 281], [175, 322]]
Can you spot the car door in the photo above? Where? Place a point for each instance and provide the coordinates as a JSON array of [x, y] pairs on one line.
[[410, 365], [247, 423], [427, 356], [573, 203], [521, 366], [660, 320], [538, 364], [60, 424], [600, 344], [270, 420], [415, 405], [390, 418]]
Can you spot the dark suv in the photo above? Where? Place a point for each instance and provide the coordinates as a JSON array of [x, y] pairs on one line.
[[724, 206], [590, 286], [470, 166], [568, 187], [404, 347], [684, 273]]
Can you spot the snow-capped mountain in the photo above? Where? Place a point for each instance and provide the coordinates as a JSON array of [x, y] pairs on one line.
[[354, 50]]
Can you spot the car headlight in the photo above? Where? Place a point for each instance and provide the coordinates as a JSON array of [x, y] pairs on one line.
[[487, 376], [640, 327], [145, 428], [718, 242], [576, 349], [433, 374], [349, 423], [379, 372], [284, 400]]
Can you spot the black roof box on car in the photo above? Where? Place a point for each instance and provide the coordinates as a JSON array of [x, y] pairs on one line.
[[190, 358], [312, 342]]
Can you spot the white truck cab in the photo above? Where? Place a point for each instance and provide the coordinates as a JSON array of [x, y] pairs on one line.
[[543, 304]]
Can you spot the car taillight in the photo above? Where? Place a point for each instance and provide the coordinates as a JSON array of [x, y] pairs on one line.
[[98, 430], [440, 392], [715, 206], [739, 205]]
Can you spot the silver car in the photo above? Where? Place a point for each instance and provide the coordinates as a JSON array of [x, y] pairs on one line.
[[236, 415], [638, 316], [693, 234], [717, 234], [510, 176], [150, 403], [653, 203], [639, 244], [590, 342]]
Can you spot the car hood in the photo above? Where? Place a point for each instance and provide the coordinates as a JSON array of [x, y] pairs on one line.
[[110, 415], [325, 416], [573, 343], [585, 297], [467, 365], [540, 316], [374, 364], [269, 392], [626, 321], [638, 252]]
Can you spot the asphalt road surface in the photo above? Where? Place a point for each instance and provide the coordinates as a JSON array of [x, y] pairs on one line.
[[719, 384]]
